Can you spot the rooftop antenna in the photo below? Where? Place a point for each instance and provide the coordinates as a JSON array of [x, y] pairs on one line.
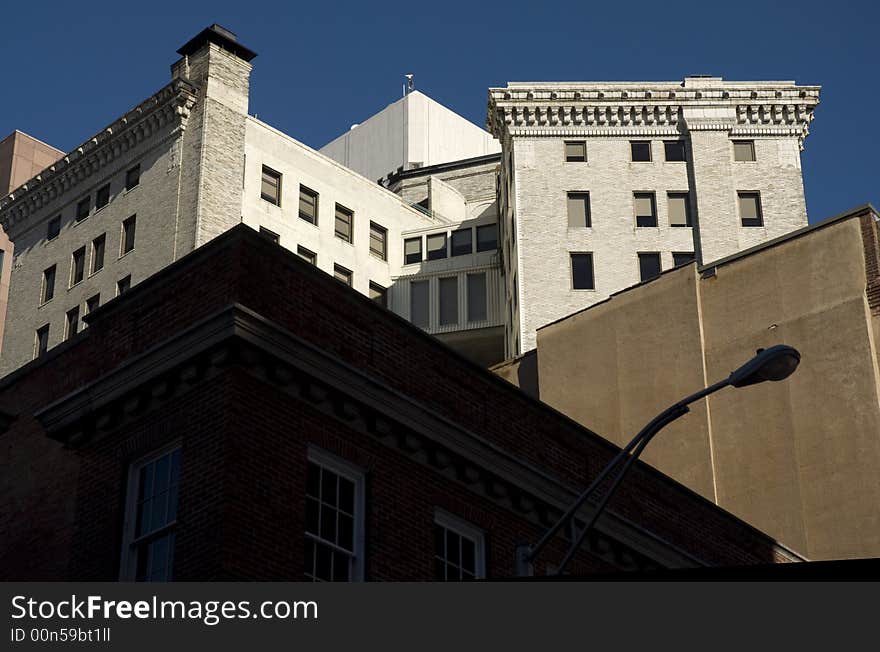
[[409, 86]]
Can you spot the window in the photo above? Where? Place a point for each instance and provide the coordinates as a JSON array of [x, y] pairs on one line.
[[151, 518], [344, 220], [744, 150], [77, 266], [487, 237], [92, 303], [334, 520], [476, 297], [459, 550], [412, 250], [674, 151], [448, 300], [133, 177], [309, 256], [340, 273], [98, 253], [102, 197], [379, 294], [682, 258], [83, 208], [123, 285], [436, 246], [645, 208], [462, 242], [582, 272], [128, 229], [378, 241], [575, 151], [41, 341], [308, 205], [271, 236], [679, 209], [750, 208], [48, 289], [649, 266], [72, 323], [418, 303], [53, 229], [640, 151], [579, 210], [270, 188]]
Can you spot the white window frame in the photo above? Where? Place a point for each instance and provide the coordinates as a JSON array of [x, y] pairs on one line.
[[463, 528], [356, 475], [128, 559]]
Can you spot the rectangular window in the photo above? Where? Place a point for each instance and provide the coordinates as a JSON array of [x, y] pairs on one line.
[[744, 150], [308, 205], [48, 289], [412, 250], [674, 151], [102, 197], [340, 273], [476, 297], [128, 229], [418, 303], [448, 288], [334, 545], [750, 208], [133, 177], [77, 266], [575, 151], [53, 230], [649, 266], [379, 294], [640, 151], [151, 518], [271, 236], [83, 208], [679, 209], [459, 550], [98, 245], [487, 237], [579, 210], [645, 208], [582, 272], [72, 323], [270, 188], [41, 341], [378, 241], [344, 223], [309, 256], [436, 246], [123, 285], [462, 242], [682, 258], [92, 303]]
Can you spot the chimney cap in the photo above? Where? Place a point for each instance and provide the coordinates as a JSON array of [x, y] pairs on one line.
[[219, 36]]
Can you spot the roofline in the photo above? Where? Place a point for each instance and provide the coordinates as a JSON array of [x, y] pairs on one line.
[[443, 167], [219, 36]]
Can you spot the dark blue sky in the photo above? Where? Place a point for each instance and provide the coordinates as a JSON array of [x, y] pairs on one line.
[[72, 68]]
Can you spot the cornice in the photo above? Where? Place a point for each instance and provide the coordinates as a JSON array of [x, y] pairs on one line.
[[170, 105]]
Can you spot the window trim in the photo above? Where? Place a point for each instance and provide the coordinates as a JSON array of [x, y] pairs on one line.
[[72, 281], [269, 234], [127, 277], [421, 250], [44, 286], [588, 212], [470, 231], [653, 196], [639, 255], [37, 352], [106, 187], [445, 248], [650, 151], [375, 226], [692, 254], [683, 149], [337, 267], [565, 145], [277, 175], [477, 236], [128, 172], [350, 213], [76, 218], [67, 333], [689, 220], [381, 290], [317, 197], [122, 242], [733, 144], [466, 529], [50, 238], [571, 255], [92, 269], [759, 205]]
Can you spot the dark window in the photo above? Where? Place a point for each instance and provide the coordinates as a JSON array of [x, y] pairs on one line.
[[379, 294], [682, 258], [270, 188], [750, 208], [102, 197], [153, 539], [418, 303], [448, 290], [476, 297], [77, 266], [649, 266], [123, 285], [412, 250], [48, 290], [640, 151], [92, 303], [436, 246], [128, 229], [271, 236], [309, 256], [344, 224], [744, 150], [674, 150], [582, 271], [98, 245], [679, 209], [331, 520], [579, 209], [645, 209], [41, 341], [457, 556], [54, 228], [378, 241], [487, 237], [133, 177], [575, 151], [308, 205], [72, 323], [83, 208], [342, 274], [462, 242]]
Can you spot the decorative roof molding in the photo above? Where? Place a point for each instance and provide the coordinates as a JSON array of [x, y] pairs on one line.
[[171, 105]]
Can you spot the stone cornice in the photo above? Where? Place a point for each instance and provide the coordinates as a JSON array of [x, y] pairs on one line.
[[170, 105]]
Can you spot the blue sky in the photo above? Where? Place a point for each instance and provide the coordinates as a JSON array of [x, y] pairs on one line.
[[73, 67]]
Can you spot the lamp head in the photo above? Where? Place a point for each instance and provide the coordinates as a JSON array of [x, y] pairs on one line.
[[776, 363]]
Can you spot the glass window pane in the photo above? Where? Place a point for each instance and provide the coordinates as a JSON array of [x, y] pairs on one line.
[[476, 297], [744, 150], [453, 548], [462, 242], [487, 237], [748, 206], [575, 152], [641, 151], [448, 300], [323, 563], [346, 531], [412, 250], [419, 303], [678, 210], [674, 150], [436, 246], [312, 511], [649, 266], [578, 209], [341, 563], [468, 555], [582, 271]]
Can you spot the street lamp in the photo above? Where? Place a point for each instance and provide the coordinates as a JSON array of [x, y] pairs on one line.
[[776, 363]]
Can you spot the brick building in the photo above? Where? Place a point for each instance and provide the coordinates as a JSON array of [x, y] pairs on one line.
[[241, 415]]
